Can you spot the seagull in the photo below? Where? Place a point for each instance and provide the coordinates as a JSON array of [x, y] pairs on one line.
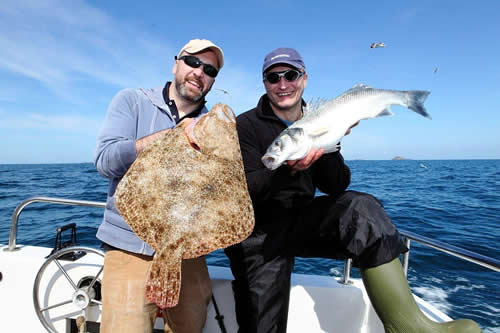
[[224, 91], [377, 45]]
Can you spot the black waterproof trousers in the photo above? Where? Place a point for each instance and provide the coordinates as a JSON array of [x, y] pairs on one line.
[[352, 225]]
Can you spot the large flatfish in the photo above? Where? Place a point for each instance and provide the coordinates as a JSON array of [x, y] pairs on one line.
[[187, 199]]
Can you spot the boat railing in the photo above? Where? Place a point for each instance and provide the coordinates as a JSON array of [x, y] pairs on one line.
[[455, 251], [452, 250], [61, 201]]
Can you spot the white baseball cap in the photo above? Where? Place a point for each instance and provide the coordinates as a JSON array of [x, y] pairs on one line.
[[198, 45]]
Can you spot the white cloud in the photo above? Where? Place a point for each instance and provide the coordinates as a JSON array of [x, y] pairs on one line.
[[61, 55], [62, 42], [50, 123]]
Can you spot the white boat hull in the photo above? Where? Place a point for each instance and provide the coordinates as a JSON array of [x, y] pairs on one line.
[[317, 303]]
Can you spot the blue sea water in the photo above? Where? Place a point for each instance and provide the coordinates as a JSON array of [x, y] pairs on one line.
[[453, 201]]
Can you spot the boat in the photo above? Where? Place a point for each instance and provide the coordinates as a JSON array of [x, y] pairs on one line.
[[59, 289]]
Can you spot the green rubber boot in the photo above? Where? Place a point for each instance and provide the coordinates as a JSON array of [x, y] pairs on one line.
[[393, 302]]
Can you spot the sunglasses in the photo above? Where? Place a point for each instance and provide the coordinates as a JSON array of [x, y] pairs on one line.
[[290, 75], [194, 62]]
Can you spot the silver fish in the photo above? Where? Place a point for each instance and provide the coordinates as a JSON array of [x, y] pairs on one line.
[[325, 123]]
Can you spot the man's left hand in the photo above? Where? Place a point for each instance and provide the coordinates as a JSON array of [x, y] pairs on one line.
[[304, 163]]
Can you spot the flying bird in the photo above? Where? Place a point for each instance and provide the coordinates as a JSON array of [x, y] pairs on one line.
[[224, 91], [377, 45]]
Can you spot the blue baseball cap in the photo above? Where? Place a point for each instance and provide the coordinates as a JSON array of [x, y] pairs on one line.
[[283, 55]]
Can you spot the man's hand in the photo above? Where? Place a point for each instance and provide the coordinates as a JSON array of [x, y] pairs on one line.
[[311, 157], [142, 143], [304, 163]]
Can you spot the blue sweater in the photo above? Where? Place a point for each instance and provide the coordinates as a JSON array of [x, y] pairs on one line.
[[132, 114]]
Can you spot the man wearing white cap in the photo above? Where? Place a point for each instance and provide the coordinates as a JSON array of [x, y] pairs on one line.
[[136, 118]]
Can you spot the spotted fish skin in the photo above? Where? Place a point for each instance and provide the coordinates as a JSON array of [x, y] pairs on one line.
[[325, 123], [186, 202]]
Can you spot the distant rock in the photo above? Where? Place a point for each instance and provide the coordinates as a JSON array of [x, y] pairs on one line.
[[397, 158]]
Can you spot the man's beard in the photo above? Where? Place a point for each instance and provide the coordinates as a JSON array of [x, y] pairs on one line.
[[180, 85]]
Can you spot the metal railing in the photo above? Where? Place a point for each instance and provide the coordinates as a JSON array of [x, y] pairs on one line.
[[455, 251], [61, 201], [452, 250]]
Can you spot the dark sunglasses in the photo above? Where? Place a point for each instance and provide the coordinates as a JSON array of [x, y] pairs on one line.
[[194, 62], [289, 75]]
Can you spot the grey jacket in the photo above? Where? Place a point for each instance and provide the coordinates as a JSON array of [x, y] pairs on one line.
[[132, 114]]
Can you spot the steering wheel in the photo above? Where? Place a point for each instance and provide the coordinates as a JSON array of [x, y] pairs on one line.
[[68, 286]]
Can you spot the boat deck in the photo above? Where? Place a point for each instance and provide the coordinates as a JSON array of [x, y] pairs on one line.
[[317, 304]]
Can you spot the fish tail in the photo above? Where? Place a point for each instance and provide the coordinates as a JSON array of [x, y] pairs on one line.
[[163, 285], [415, 102]]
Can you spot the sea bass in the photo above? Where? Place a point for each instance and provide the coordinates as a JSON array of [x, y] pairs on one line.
[[187, 198], [325, 123]]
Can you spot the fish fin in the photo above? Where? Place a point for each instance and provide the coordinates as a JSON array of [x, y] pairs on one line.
[[356, 87], [385, 112], [333, 149], [315, 104], [320, 131], [318, 103], [359, 86]]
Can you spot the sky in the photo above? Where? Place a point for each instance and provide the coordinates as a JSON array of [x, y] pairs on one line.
[[61, 62]]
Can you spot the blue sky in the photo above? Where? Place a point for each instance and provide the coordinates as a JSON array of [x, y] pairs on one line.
[[61, 62]]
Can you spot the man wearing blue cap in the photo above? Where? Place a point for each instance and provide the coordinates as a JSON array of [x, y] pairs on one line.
[[291, 221]]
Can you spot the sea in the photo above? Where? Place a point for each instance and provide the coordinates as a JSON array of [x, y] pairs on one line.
[[453, 201]]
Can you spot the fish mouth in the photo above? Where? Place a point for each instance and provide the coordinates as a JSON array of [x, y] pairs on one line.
[[192, 142], [270, 162], [190, 136], [195, 146]]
